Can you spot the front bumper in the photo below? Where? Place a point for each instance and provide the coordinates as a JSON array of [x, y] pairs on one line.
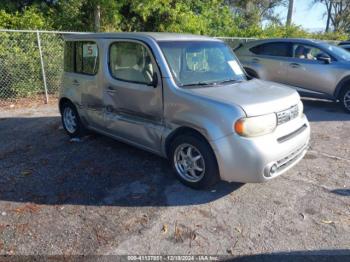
[[249, 160]]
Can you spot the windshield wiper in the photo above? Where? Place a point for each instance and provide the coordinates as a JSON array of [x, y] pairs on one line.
[[212, 83], [200, 84], [227, 81]]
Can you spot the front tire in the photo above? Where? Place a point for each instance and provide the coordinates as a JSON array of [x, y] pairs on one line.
[[345, 99], [194, 162], [71, 121]]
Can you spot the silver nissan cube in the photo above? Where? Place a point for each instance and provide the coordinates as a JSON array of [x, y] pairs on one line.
[[185, 98]]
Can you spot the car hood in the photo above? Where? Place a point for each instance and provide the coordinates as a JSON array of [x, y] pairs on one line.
[[255, 97]]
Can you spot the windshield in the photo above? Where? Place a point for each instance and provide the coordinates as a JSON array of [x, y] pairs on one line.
[[195, 63], [340, 52]]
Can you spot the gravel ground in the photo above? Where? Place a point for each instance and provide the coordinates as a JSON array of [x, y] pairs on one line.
[[100, 196]]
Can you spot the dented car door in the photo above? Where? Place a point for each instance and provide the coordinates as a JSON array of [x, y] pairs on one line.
[[133, 94]]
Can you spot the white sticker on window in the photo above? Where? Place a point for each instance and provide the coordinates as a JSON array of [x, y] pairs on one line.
[[90, 50], [235, 67]]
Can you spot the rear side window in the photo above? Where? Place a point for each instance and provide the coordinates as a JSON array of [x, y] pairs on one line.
[[272, 49], [81, 57]]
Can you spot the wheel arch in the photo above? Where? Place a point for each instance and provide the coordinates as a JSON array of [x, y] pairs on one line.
[[183, 130], [342, 84]]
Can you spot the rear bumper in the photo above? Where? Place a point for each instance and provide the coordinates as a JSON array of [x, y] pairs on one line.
[[249, 160]]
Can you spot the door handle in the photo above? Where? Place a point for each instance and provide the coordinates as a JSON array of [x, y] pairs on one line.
[[255, 60], [294, 65], [111, 88], [76, 82]]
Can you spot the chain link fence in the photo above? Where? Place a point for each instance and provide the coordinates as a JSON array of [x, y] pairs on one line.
[[31, 64]]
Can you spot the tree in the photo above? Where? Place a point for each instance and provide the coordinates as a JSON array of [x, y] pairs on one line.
[[341, 15], [97, 15], [241, 18], [290, 12], [256, 11], [30, 18], [338, 14]]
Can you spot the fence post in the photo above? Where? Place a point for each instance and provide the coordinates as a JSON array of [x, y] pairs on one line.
[[42, 66]]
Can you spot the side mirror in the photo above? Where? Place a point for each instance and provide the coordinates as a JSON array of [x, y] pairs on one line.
[[325, 58]]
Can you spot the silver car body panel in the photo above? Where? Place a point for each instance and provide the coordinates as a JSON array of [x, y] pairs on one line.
[[268, 96], [310, 77], [145, 116]]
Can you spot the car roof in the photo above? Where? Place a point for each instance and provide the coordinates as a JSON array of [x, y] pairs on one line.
[[347, 42], [157, 36], [288, 40], [304, 41]]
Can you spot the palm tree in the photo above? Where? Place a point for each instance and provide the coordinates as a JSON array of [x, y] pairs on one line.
[[290, 12]]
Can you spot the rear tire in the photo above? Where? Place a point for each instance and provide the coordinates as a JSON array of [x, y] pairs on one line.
[[345, 99], [71, 121], [194, 162]]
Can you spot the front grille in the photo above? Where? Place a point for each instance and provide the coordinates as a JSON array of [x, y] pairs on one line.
[[293, 134], [291, 158], [287, 115]]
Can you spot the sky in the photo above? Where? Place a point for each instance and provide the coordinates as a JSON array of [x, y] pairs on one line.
[[307, 15]]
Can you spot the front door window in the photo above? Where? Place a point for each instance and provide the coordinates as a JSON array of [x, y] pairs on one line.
[[306, 52], [131, 62]]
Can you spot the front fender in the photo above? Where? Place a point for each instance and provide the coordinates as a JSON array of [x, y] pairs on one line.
[[211, 118]]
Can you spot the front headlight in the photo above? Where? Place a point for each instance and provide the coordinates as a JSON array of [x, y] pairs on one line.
[[256, 126], [300, 108]]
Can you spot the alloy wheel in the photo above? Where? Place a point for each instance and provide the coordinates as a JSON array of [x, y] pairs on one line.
[[189, 163], [346, 100], [70, 120]]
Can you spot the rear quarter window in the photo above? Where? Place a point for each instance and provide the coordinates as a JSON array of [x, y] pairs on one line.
[[81, 57], [272, 49]]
